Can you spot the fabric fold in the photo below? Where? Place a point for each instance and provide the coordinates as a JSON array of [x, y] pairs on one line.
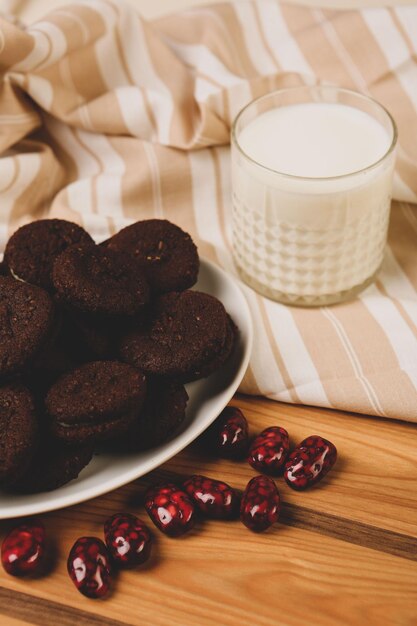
[[107, 118]]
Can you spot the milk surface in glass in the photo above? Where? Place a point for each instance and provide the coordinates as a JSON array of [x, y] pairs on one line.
[[311, 194]]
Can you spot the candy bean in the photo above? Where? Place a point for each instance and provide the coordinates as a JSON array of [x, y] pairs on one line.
[[260, 504], [269, 450], [128, 540], [312, 459], [213, 498], [22, 551], [228, 436], [170, 509], [89, 567]]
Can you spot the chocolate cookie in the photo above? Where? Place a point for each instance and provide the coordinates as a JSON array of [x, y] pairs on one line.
[[220, 359], [26, 319], [186, 332], [96, 280], [32, 250], [167, 254], [18, 430], [53, 466], [162, 414], [95, 401]]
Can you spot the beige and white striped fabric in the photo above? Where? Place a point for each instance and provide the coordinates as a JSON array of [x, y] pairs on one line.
[[106, 119]]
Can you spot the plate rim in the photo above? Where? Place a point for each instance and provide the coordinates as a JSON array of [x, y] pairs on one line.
[[64, 501]]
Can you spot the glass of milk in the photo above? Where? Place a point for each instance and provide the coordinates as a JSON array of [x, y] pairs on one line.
[[312, 175]]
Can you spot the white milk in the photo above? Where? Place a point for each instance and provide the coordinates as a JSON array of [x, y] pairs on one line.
[[311, 240], [315, 140]]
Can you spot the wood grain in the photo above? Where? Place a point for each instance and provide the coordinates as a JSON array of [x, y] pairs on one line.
[[343, 553], [39, 611], [357, 533]]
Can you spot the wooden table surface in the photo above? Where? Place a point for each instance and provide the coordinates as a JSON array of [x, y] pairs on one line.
[[343, 553]]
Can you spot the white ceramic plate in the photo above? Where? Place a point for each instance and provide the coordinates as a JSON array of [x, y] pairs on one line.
[[207, 399]]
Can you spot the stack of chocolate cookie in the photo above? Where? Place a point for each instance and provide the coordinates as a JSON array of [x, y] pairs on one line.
[[96, 344]]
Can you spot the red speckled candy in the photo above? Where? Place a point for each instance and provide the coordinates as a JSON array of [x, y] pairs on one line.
[[310, 462], [170, 509], [128, 540], [269, 450], [89, 567], [23, 549], [213, 498], [260, 504], [229, 435]]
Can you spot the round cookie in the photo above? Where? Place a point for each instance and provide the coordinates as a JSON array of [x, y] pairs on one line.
[[53, 466], [162, 414], [187, 330], [167, 254], [26, 320], [18, 430], [220, 359], [95, 401], [93, 279], [31, 251]]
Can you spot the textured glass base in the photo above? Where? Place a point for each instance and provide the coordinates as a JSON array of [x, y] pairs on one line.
[[305, 300]]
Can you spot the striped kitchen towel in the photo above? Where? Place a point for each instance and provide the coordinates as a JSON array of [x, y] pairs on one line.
[[106, 119]]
